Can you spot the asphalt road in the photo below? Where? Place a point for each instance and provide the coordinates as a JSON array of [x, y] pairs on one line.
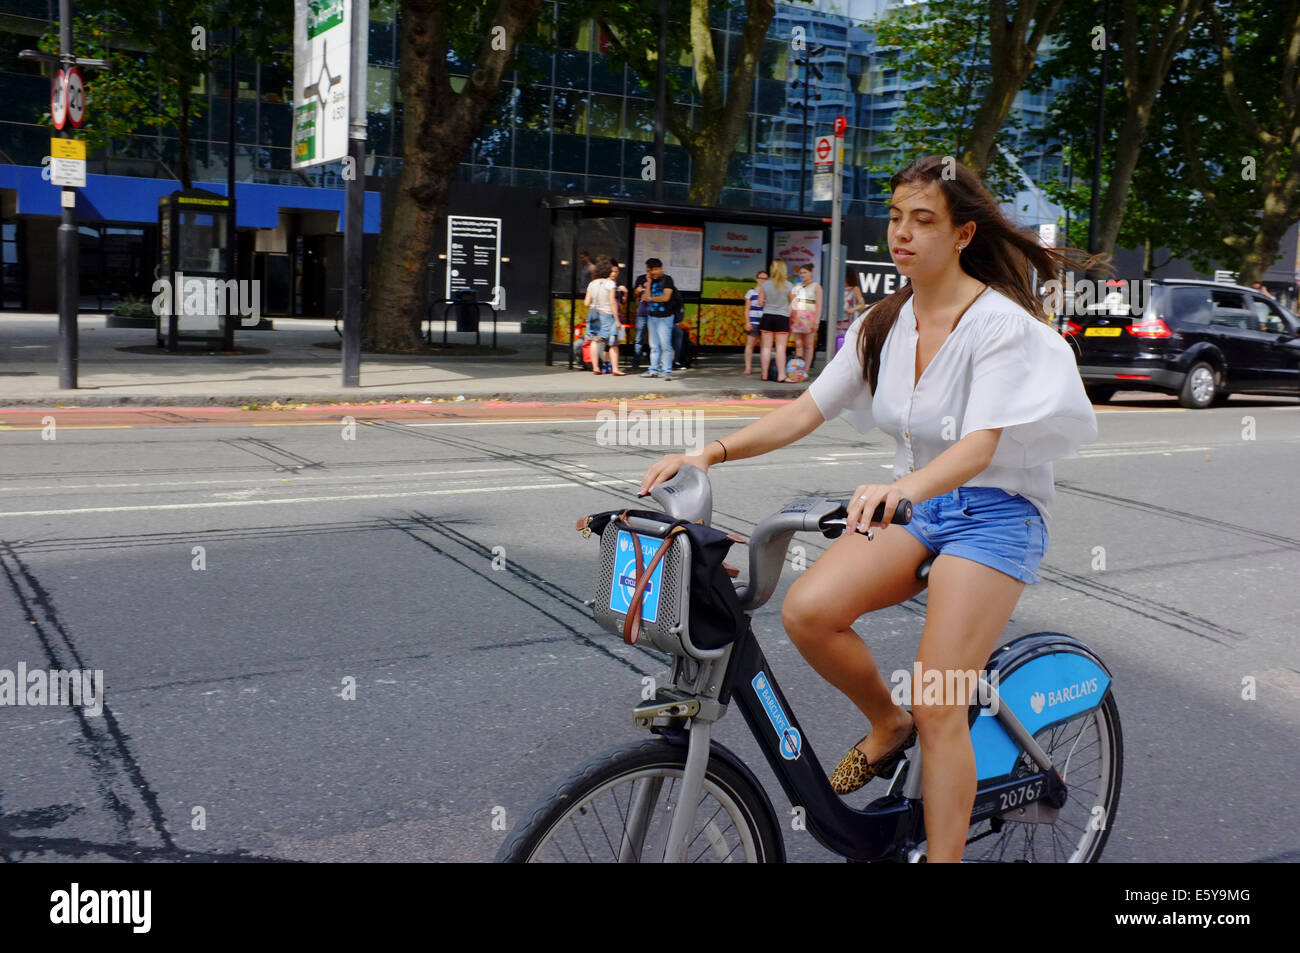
[[228, 731]]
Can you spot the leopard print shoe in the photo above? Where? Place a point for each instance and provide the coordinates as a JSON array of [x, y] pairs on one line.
[[855, 770]]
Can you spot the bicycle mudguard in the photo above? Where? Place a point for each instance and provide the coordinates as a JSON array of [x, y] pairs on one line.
[[1044, 678]]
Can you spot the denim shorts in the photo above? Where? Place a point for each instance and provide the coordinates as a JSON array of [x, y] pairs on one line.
[[986, 525], [603, 326]]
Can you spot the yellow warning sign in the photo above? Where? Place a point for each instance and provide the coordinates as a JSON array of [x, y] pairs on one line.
[[68, 149]]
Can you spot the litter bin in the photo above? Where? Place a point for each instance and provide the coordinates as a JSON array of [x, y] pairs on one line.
[[466, 305]]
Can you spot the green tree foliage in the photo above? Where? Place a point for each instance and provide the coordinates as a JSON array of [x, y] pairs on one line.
[[985, 53], [158, 51]]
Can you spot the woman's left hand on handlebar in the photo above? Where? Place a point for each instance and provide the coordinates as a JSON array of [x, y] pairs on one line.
[[865, 500]]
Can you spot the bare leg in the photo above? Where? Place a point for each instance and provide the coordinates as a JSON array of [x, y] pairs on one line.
[[749, 353], [853, 577], [764, 353], [968, 607], [780, 355], [613, 358]]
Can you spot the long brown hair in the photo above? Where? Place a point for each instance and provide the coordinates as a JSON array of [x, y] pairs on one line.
[[999, 254]]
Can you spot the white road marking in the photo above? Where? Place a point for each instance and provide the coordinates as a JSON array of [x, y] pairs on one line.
[[550, 420], [78, 511], [1139, 453], [337, 478]]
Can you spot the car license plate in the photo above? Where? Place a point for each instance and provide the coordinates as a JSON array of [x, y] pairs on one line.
[[1102, 332]]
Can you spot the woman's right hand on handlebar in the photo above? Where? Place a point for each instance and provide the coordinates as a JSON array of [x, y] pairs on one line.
[[666, 467]]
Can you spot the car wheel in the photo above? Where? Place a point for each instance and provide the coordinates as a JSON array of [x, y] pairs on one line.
[[1099, 395], [1199, 387]]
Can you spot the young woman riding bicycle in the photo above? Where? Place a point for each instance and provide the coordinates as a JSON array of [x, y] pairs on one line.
[[981, 395]]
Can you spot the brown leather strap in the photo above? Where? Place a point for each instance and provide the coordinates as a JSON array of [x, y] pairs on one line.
[[632, 623]]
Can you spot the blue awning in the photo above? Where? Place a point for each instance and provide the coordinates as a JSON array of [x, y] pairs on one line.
[[125, 198]]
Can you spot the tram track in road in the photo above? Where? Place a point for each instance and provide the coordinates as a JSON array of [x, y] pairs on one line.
[[1182, 516], [482, 557], [124, 793]]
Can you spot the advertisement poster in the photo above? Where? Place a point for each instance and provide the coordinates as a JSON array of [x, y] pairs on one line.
[[797, 249], [677, 246], [733, 255]]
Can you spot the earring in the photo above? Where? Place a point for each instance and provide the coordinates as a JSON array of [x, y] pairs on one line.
[[959, 248]]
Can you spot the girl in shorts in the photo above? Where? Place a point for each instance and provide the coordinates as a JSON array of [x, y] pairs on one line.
[[754, 317], [980, 394], [805, 315], [775, 323], [602, 322]]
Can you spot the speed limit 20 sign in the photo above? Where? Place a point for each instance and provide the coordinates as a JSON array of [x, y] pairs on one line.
[[76, 97], [67, 98]]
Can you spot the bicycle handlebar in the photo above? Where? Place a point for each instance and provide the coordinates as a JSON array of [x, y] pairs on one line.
[[688, 495], [767, 547]]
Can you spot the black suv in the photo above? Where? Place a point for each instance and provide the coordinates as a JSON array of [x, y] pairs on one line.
[[1200, 340]]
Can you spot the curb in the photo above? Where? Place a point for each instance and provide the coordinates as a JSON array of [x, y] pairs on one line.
[[67, 400]]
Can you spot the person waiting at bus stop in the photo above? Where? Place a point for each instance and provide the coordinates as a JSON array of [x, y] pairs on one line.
[[657, 291]]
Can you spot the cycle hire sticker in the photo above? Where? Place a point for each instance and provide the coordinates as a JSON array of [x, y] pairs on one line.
[[621, 592], [791, 742]]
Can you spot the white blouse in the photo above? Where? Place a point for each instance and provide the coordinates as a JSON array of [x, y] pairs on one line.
[[1000, 367]]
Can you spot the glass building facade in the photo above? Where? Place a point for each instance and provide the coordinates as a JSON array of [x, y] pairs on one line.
[[575, 123]]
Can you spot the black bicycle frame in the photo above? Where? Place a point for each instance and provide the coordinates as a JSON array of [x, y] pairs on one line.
[[884, 828]]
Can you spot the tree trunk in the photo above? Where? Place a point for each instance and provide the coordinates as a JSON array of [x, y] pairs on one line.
[[709, 163], [1128, 146], [396, 289], [1144, 74], [1262, 250], [1013, 47], [992, 112], [719, 119], [438, 126]]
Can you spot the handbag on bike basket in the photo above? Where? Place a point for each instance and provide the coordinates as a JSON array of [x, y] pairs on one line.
[[665, 580]]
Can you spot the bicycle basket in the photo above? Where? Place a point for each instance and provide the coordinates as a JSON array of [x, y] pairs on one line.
[[692, 553]]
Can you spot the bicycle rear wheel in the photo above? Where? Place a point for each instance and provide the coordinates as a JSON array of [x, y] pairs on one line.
[[617, 808], [1088, 752]]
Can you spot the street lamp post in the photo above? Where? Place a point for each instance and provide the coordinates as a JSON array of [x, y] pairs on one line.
[[809, 67]]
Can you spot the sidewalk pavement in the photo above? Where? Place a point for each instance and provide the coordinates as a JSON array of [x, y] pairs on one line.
[[124, 367]]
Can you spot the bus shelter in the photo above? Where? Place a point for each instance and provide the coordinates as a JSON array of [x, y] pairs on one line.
[[712, 255]]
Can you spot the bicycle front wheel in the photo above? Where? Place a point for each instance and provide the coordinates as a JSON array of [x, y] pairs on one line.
[[617, 807]]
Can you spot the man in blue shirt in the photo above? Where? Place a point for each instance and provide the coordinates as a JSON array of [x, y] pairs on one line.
[[655, 292]]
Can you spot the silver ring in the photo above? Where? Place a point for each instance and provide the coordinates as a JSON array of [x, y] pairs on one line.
[[862, 499]]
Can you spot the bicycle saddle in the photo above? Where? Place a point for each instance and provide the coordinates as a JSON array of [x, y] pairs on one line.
[[923, 570]]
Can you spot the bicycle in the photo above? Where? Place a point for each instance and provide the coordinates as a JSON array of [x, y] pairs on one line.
[[1038, 697]]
